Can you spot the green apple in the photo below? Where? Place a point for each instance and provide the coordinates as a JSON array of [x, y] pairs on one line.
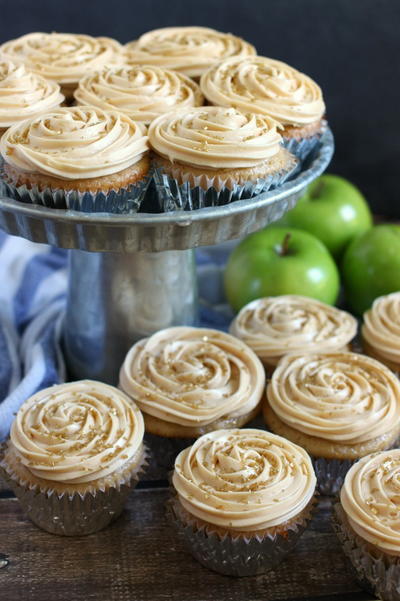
[[279, 260], [333, 210], [371, 266]]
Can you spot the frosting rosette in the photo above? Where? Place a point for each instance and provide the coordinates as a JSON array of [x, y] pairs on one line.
[[78, 432], [24, 94], [276, 325], [192, 376], [370, 497], [381, 327], [141, 92], [341, 397], [62, 57], [190, 50], [215, 137], [244, 480], [267, 86], [75, 143]]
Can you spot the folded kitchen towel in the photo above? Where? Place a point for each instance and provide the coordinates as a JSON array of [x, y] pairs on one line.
[[33, 280]]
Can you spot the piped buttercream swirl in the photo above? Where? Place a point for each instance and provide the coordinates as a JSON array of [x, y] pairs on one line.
[[381, 327], [24, 94], [370, 497], [276, 325], [142, 92], [267, 86], [192, 376], [341, 397], [215, 137], [244, 480], [77, 432], [75, 143], [190, 50]]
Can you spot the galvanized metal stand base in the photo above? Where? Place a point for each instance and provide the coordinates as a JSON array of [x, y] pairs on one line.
[[131, 275]]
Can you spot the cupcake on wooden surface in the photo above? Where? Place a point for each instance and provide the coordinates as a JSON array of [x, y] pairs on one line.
[[381, 330]]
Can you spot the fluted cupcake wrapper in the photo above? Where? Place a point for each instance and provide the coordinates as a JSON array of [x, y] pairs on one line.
[[239, 555], [373, 567], [200, 192], [302, 148], [164, 451], [330, 474], [74, 514]]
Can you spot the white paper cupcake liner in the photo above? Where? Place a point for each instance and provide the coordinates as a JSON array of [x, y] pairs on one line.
[[236, 555], [173, 196], [74, 514], [330, 474], [373, 567]]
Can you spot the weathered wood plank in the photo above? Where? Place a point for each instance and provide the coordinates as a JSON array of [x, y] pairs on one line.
[[139, 558]]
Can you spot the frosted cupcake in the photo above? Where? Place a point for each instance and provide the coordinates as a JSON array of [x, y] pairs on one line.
[[62, 57], [276, 325], [190, 50], [24, 95], [142, 93], [338, 406], [213, 155], [272, 88], [381, 330], [243, 498], [75, 452], [82, 158], [367, 521]]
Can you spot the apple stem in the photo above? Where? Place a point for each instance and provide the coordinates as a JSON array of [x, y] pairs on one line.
[[285, 245], [317, 189]]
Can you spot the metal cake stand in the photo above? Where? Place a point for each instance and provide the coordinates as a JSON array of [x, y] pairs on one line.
[[131, 275]]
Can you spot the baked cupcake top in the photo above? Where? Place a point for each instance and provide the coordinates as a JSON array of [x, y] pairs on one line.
[[215, 137], [192, 376], [370, 497], [263, 85], [381, 327], [75, 143], [77, 432], [63, 57], [141, 92], [190, 50], [342, 397], [244, 480], [24, 94], [276, 325]]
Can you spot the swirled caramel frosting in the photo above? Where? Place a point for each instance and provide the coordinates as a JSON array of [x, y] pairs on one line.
[[370, 497], [266, 86], [24, 95], [75, 143], [341, 397], [141, 92], [190, 50], [215, 137], [276, 325], [244, 480], [78, 432], [192, 376], [381, 327], [62, 57]]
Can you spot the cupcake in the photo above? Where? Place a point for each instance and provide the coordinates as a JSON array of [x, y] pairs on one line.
[[190, 50], [276, 325], [269, 87], [82, 158], [24, 95], [62, 57], [380, 331], [241, 499], [338, 406], [75, 452], [142, 93], [367, 521], [188, 381], [213, 155]]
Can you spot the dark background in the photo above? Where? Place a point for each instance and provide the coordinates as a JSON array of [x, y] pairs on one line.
[[350, 47]]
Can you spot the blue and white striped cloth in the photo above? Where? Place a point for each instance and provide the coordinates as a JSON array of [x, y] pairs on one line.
[[33, 282]]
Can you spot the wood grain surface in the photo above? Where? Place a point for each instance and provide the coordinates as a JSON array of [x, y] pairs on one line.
[[140, 558]]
